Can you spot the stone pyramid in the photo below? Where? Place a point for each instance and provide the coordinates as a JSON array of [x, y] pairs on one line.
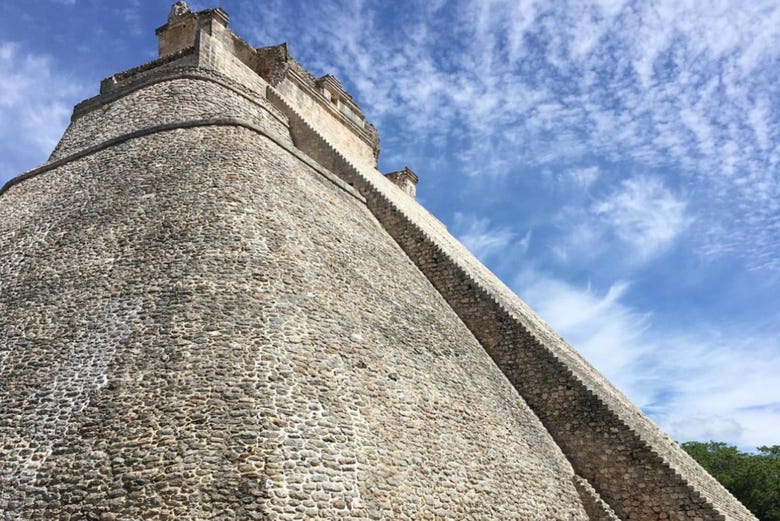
[[213, 306]]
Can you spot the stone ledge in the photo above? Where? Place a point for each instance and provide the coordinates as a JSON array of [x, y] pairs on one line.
[[190, 72], [175, 126], [114, 81]]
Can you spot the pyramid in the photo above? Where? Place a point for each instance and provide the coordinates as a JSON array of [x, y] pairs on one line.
[[213, 306]]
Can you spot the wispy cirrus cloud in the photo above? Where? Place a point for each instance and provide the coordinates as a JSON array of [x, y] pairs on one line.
[[639, 219], [644, 214], [723, 386], [581, 177], [608, 333], [716, 384], [686, 88], [482, 238], [35, 107]]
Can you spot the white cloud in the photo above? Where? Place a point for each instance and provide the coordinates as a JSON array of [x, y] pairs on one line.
[[635, 223], [708, 428], [608, 333], [525, 242], [717, 384], [35, 105], [701, 128], [681, 88], [759, 116], [582, 178], [481, 239], [681, 91], [581, 239], [723, 381], [644, 214]]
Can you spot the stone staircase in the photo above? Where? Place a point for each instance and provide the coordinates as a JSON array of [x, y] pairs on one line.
[[634, 466]]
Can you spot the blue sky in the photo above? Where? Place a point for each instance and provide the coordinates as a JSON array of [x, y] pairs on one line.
[[614, 162]]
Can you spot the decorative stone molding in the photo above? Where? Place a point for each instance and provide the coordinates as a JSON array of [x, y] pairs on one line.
[[405, 179]]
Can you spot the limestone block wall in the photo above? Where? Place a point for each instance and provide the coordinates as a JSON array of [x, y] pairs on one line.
[[218, 54], [187, 57], [169, 97], [199, 322], [634, 467], [324, 120], [595, 506]]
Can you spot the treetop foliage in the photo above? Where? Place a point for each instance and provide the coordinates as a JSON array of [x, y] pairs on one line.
[[753, 478]]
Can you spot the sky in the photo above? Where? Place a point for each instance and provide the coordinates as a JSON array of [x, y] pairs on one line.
[[616, 163]]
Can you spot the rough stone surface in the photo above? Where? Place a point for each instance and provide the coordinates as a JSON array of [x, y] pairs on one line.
[[183, 94], [212, 306], [635, 468], [187, 341]]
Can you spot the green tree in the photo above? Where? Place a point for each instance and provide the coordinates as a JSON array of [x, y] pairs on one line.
[[753, 478]]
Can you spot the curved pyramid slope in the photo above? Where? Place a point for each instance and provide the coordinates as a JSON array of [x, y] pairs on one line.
[[212, 306]]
